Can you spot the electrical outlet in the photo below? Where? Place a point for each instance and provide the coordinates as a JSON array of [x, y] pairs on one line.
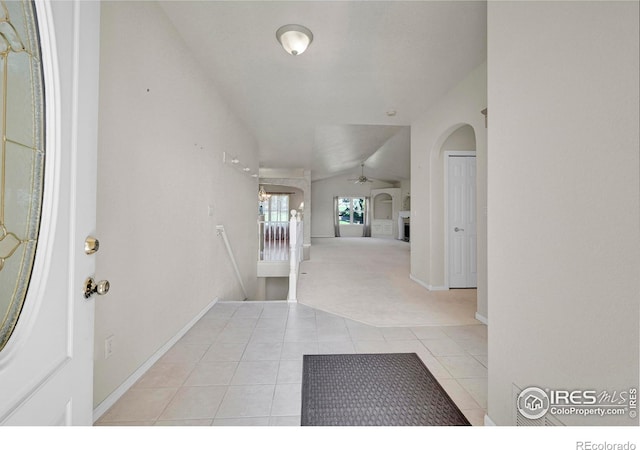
[[108, 347], [210, 210]]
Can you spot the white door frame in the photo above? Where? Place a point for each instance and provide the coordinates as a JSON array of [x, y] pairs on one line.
[[53, 384], [447, 154]]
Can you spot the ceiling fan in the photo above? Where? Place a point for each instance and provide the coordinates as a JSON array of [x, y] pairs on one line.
[[362, 178]]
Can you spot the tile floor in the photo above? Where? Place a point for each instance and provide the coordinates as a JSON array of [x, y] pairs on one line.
[[241, 364]]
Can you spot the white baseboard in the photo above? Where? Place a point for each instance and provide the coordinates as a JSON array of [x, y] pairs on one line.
[[428, 286], [108, 402], [482, 319], [488, 422], [438, 288]]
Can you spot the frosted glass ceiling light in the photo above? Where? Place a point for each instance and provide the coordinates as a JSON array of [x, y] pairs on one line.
[[294, 38]]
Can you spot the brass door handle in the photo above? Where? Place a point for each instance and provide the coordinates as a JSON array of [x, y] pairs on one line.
[[91, 287]]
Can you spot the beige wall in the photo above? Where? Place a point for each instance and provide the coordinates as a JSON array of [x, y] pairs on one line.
[[461, 139], [459, 107], [163, 129], [564, 204]]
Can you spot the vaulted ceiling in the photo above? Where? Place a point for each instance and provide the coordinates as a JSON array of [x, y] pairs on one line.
[[327, 109]]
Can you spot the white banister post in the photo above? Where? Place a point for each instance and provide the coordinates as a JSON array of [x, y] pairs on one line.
[[293, 257]]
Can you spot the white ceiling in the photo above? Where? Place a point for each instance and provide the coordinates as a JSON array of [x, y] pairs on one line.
[[326, 109]]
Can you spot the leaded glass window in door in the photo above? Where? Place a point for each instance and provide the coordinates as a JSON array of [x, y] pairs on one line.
[[21, 156]]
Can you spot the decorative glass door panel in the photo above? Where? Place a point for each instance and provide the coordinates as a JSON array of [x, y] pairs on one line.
[[21, 156]]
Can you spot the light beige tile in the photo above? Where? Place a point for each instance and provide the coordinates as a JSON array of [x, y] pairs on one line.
[[301, 335], [290, 372], [300, 310], [475, 416], [202, 333], [482, 359], [284, 421], [241, 322], [372, 346], [222, 310], [214, 320], [329, 334], [365, 333], [466, 332], [194, 402], [262, 351], [275, 310], [459, 395], [212, 373], [463, 366], [329, 320], [140, 405], [443, 347], [477, 388], [124, 424], [428, 332], [287, 400], [476, 346], [304, 323], [248, 310], [225, 351], [413, 346], [256, 372], [165, 375], [242, 422], [272, 322], [184, 423], [181, 353], [235, 335], [397, 334], [434, 366], [246, 401], [295, 350], [267, 335], [336, 348]]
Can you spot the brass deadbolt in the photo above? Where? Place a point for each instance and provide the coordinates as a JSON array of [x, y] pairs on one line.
[[91, 245]]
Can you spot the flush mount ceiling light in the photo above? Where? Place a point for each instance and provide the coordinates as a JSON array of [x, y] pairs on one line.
[[294, 38]]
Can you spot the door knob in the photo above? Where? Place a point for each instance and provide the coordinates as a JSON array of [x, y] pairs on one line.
[[456, 229], [91, 287]]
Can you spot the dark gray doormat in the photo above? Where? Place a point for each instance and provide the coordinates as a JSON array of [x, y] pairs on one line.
[[373, 389]]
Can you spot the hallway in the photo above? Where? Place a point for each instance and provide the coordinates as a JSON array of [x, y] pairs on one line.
[[241, 364]]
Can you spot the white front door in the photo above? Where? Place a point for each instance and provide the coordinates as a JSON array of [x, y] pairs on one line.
[[462, 221], [46, 366]]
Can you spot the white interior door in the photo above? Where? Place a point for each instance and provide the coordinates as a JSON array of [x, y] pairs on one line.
[[46, 366], [462, 221]]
